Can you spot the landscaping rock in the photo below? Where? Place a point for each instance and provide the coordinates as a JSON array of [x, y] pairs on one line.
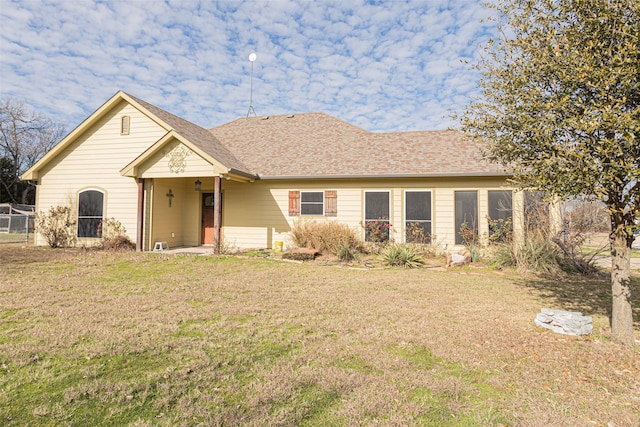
[[458, 259], [564, 322]]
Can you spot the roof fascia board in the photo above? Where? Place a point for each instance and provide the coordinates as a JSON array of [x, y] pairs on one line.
[[31, 174], [143, 110], [131, 169]]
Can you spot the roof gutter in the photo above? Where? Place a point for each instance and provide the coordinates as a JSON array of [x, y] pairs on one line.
[[386, 176], [243, 173]]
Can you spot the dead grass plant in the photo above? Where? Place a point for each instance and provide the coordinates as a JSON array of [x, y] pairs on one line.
[[329, 237]]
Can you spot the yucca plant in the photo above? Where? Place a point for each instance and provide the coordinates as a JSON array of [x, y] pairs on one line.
[[402, 255]]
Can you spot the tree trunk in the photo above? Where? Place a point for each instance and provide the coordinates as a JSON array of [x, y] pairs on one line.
[[621, 314]]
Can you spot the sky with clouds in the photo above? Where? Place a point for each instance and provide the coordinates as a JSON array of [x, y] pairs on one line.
[[381, 65]]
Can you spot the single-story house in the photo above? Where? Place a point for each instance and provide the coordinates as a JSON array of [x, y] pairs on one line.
[[246, 182]]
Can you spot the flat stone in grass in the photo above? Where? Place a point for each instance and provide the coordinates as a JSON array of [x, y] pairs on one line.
[[564, 322]]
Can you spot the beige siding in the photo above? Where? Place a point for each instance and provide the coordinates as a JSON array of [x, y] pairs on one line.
[[166, 221], [94, 160], [256, 214], [443, 217], [158, 165]]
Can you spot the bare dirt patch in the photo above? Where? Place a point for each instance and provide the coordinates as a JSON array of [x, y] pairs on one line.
[[90, 337]]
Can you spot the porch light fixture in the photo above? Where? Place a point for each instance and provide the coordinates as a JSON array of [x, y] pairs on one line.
[[198, 185]]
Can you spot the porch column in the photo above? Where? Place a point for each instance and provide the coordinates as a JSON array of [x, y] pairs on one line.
[[140, 220], [517, 210], [217, 213]]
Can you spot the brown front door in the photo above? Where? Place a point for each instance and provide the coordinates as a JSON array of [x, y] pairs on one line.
[[207, 219]]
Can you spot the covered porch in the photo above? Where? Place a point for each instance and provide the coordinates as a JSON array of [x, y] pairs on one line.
[[180, 212], [180, 194]]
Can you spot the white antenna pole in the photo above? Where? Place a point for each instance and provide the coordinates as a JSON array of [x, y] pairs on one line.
[[252, 59]]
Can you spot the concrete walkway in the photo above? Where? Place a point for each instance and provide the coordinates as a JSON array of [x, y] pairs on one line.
[[187, 250]]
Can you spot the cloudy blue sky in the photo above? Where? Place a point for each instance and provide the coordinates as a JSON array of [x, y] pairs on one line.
[[382, 65]]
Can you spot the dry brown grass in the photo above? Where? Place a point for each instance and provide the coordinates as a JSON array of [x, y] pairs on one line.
[[89, 337], [326, 236]]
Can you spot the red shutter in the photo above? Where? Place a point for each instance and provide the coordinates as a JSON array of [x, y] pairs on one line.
[[294, 203], [331, 203]]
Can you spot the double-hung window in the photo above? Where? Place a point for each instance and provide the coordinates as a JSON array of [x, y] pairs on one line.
[[311, 203], [417, 223], [90, 213], [316, 203]]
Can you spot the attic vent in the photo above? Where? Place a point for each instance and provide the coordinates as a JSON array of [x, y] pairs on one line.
[[290, 116], [125, 122], [265, 118]]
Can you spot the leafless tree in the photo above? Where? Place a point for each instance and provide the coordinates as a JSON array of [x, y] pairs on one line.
[[25, 136]]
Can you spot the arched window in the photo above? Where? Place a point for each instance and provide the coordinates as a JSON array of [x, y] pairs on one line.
[[90, 213]]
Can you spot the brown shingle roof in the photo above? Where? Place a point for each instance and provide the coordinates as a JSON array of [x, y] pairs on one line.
[[197, 135], [318, 145]]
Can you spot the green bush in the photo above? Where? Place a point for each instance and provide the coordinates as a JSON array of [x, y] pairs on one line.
[[327, 237], [57, 226], [402, 255]]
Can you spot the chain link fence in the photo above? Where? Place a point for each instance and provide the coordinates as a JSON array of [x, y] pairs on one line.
[[16, 223]]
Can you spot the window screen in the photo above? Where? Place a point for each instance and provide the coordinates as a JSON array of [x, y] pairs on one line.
[[376, 205], [418, 216], [311, 203], [90, 213], [500, 204], [466, 211], [500, 213], [376, 216]]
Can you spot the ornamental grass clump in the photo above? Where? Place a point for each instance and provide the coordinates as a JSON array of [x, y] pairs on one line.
[[540, 254], [327, 237], [402, 255]]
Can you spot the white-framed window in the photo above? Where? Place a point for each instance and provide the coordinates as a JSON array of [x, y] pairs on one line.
[[312, 203], [500, 204], [377, 216], [466, 212], [417, 216], [90, 213], [125, 125]]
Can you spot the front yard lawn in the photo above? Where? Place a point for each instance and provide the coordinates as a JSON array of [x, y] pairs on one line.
[[99, 338]]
